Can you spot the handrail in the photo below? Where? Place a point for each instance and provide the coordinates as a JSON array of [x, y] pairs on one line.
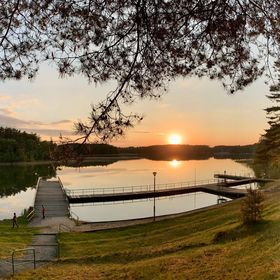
[[75, 217], [139, 188], [62, 187], [31, 215], [37, 185], [20, 250], [61, 226], [65, 193]]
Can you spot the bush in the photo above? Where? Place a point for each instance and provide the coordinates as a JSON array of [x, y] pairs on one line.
[[252, 207]]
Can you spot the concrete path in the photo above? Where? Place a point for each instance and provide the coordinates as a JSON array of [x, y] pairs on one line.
[[51, 224], [46, 250]]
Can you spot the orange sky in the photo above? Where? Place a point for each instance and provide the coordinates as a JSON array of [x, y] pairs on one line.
[[198, 110]]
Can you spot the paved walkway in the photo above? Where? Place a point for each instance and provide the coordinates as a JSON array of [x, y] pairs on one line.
[[46, 250], [51, 224], [50, 194]]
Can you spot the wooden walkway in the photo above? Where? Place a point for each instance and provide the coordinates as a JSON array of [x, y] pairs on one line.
[[51, 194], [56, 201], [242, 178], [207, 188], [222, 188]]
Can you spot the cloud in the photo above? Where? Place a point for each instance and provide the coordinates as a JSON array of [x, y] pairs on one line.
[[11, 121], [10, 105], [49, 132], [46, 130], [4, 97], [7, 111], [62, 122]]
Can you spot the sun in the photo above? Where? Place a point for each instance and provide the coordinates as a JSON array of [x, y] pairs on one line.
[[175, 139]]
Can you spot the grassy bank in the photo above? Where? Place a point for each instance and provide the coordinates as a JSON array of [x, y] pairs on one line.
[[14, 238], [208, 245]]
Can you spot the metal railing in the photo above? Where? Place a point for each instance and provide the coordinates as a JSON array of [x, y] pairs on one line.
[[62, 187], [23, 261], [64, 228], [141, 188], [37, 185], [75, 217], [30, 215]]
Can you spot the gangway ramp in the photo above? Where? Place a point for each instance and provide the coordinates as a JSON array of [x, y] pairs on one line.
[[50, 194]]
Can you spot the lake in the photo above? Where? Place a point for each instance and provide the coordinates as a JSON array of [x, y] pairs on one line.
[[124, 173]]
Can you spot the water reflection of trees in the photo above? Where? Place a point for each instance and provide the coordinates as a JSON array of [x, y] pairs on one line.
[[16, 178], [84, 163]]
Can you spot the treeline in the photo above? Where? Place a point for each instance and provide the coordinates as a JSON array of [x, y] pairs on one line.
[[268, 150], [267, 157], [22, 146], [231, 151], [164, 152], [191, 151], [169, 152]]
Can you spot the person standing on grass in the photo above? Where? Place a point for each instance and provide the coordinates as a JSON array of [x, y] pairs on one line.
[[43, 211], [15, 220]]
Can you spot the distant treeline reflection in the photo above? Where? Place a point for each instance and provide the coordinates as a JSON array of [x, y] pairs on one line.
[[164, 152], [16, 178]]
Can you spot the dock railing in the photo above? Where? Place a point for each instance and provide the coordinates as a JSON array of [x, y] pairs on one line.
[[64, 228], [24, 261], [31, 214], [62, 187], [134, 189], [75, 217]]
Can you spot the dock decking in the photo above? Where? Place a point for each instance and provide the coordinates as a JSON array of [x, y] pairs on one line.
[[55, 199], [109, 197], [51, 194]]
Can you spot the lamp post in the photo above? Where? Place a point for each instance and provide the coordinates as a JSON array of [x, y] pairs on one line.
[[154, 173]]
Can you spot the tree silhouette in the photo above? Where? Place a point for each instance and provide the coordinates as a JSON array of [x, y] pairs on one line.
[[141, 44], [268, 148]]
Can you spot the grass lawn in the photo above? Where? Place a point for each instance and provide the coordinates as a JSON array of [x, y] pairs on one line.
[[181, 248], [14, 238]]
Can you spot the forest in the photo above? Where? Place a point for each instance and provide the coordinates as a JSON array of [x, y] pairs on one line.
[[159, 152], [16, 146]]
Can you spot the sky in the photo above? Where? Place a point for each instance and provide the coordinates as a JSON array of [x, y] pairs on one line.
[[198, 110]]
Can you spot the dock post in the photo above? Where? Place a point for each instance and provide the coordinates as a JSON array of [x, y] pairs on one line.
[[154, 173]]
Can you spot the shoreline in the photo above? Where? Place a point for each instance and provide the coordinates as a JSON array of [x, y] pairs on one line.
[[107, 225], [87, 159], [102, 158]]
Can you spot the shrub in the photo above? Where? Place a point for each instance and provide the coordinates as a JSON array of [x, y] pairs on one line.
[[252, 207]]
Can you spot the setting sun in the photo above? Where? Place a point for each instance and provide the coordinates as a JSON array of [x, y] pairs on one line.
[[175, 139]]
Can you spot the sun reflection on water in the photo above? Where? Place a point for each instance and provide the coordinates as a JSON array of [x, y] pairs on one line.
[[174, 163]]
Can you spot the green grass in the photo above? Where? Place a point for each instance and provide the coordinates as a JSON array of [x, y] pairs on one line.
[[208, 245], [14, 238]]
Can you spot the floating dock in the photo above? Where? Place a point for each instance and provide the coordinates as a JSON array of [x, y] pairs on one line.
[[56, 199]]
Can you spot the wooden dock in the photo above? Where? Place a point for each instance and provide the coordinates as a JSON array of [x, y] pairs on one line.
[[55, 199], [50, 193], [221, 188], [237, 178], [75, 197]]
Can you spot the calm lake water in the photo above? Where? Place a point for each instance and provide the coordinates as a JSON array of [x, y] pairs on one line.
[[128, 173], [123, 173]]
